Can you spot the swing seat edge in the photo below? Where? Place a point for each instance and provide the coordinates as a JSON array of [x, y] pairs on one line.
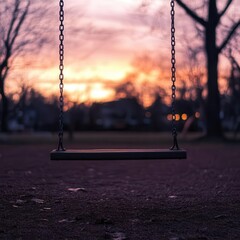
[[118, 154]]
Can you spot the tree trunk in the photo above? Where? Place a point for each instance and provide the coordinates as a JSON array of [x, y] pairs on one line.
[[214, 128], [4, 117]]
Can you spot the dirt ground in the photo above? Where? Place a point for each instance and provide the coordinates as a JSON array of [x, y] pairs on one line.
[[195, 199]]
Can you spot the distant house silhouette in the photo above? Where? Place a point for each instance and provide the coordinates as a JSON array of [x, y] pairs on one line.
[[121, 114]]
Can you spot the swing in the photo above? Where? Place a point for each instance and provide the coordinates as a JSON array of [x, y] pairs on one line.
[[116, 154]]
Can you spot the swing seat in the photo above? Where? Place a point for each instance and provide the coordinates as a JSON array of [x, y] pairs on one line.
[[117, 154]]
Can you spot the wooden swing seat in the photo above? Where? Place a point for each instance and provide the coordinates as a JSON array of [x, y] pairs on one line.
[[117, 154]]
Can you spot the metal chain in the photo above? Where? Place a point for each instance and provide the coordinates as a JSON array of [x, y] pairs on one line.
[[173, 77], [61, 75]]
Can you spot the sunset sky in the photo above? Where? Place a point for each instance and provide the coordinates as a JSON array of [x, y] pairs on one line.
[[105, 42]]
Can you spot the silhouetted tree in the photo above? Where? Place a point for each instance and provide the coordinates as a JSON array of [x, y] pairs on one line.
[[16, 35], [126, 90], [234, 88], [209, 25], [234, 79]]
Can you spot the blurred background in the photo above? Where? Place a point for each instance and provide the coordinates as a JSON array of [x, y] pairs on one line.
[[117, 74]]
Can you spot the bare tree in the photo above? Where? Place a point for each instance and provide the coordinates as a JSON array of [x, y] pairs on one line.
[[209, 26], [18, 34], [234, 92], [126, 90]]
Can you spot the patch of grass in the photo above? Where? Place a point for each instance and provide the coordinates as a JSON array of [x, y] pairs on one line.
[[110, 138]]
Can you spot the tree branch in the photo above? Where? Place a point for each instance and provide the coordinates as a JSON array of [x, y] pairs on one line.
[[20, 22], [4, 76], [191, 13], [229, 36], [14, 18], [234, 61], [225, 9]]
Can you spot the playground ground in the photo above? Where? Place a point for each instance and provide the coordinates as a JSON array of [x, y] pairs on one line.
[[193, 199]]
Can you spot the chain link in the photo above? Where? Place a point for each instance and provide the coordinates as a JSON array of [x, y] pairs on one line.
[[173, 76], [61, 75]]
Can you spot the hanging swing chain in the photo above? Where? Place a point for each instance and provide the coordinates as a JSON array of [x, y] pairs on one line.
[[173, 77], [61, 75]]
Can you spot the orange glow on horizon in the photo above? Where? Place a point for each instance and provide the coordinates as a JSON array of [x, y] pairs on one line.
[[96, 83]]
